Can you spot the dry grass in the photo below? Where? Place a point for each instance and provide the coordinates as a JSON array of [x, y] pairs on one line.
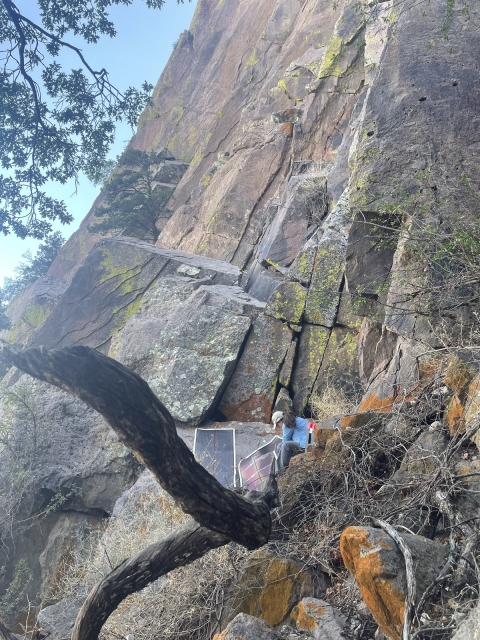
[[330, 402], [319, 500], [346, 488], [186, 604]]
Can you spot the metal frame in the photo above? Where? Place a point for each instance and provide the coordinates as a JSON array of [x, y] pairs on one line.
[[234, 447]]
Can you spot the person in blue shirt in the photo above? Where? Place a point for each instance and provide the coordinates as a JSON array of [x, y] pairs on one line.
[[294, 436]]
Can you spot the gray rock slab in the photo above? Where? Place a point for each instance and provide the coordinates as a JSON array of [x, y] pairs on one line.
[[321, 619], [261, 282], [188, 356], [288, 230], [311, 349], [324, 290], [58, 619], [245, 627], [250, 393], [108, 288]]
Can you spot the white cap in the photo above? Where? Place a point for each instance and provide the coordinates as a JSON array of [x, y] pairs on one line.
[[277, 416]]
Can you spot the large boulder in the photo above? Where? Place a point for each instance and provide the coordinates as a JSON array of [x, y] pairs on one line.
[[188, 357], [379, 570], [320, 618], [270, 586], [251, 391]]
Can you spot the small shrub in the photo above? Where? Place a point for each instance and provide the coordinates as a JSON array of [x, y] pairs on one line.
[[329, 402], [186, 604], [12, 600]]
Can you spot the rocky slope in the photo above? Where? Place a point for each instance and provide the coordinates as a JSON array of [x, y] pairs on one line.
[[318, 158]]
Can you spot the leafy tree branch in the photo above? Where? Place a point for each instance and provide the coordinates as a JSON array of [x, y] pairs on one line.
[[55, 124]]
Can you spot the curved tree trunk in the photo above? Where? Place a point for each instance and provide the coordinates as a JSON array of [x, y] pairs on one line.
[[176, 550], [144, 425]]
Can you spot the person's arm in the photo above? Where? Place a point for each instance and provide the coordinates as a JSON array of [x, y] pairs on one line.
[[287, 434]]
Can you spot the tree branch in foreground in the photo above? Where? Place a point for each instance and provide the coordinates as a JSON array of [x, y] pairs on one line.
[[178, 549], [142, 422], [145, 426]]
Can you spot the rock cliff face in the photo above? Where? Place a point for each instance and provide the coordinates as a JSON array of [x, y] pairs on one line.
[[311, 135]]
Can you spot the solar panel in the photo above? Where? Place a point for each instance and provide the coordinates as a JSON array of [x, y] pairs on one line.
[[255, 468], [215, 450]]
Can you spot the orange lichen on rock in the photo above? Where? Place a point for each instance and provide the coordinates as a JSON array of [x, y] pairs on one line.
[[271, 586], [464, 406], [323, 435], [306, 615], [282, 579], [374, 403], [454, 415], [458, 375], [356, 420], [362, 559], [287, 127]]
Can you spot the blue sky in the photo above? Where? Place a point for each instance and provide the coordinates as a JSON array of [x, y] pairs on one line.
[[138, 53]]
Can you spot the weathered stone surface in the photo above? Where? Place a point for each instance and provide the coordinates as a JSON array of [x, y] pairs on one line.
[[469, 628], [319, 618], [345, 315], [301, 268], [77, 459], [58, 619], [190, 357], [379, 570], [285, 375], [245, 627], [340, 365], [369, 259], [312, 345], [70, 530], [283, 401], [107, 290], [462, 378], [261, 282], [412, 91], [32, 307], [287, 233], [224, 210], [287, 303], [270, 586], [399, 371], [324, 291], [251, 390], [325, 430], [425, 455]]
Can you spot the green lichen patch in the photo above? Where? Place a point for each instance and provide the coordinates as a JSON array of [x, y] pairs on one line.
[[287, 302], [324, 292]]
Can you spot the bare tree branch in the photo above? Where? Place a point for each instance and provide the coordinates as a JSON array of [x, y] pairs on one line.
[[5, 633], [409, 571], [147, 428], [181, 547]]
